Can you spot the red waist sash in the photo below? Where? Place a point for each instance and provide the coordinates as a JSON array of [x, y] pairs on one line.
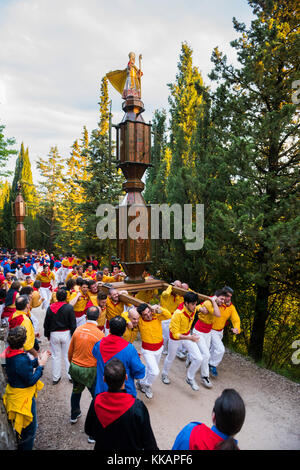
[[152, 346]]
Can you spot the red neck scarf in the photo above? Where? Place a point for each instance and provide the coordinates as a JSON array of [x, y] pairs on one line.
[[56, 306], [111, 345], [109, 406], [9, 352]]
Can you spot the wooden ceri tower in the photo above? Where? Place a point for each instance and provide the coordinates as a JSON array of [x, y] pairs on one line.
[[134, 156], [19, 212]]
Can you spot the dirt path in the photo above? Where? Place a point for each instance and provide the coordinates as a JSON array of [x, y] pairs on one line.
[[272, 406]]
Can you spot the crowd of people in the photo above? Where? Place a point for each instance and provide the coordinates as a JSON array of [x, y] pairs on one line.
[[94, 334]]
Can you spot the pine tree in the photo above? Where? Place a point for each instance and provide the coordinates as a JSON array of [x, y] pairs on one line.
[[104, 183], [252, 168], [72, 233], [5, 151], [51, 196]]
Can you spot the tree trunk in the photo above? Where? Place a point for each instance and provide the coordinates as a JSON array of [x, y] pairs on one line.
[[260, 316]]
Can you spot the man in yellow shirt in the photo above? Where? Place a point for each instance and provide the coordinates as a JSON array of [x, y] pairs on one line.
[[47, 279], [171, 302], [114, 306], [28, 282], [180, 332], [80, 301], [150, 328], [21, 318], [217, 348], [202, 329], [132, 318]]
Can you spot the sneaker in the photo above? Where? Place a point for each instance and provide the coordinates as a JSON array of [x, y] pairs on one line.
[[213, 371], [165, 379], [181, 355], [55, 382], [140, 386], [91, 440], [75, 419], [148, 392], [192, 383], [206, 382]]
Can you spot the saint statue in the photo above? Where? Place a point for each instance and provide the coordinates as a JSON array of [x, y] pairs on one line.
[[128, 81]]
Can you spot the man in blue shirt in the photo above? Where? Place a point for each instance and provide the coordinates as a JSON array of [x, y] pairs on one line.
[[114, 345]]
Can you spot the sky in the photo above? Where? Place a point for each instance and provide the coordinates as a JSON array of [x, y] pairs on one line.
[[54, 53]]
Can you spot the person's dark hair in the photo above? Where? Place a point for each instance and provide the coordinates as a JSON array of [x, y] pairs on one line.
[[101, 295], [27, 290], [79, 281], [92, 313], [15, 285], [117, 326], [21, 302], [85, 282], [228, 289], [2, 293], [92, 282], [140, 308], [16, 337], [99, 272], [220, 292], [61, 295], [37, 284], [114, 374], [230, 411], [190, 298], [70, 284]]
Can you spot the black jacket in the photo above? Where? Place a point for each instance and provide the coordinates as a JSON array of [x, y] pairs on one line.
[[64, 319], [131, 431]]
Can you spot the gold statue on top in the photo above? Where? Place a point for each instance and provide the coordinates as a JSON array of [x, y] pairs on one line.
[[128, 81]]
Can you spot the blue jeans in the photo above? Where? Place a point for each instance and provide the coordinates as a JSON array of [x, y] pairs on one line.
[[26, 440]]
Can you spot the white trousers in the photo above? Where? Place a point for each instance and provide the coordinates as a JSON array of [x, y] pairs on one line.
[[152, 359], [46, 294], [59, 344], [204, 348], [194, 355], [80, 320], [217, 348], [64, 273], [166, 332]]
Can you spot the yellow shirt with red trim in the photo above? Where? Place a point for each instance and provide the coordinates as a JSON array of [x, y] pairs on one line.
[[206, 317], [89, 275], [113, 309], [170, 301], [36, 299], [102, 317], [25, 284], [130, 334], [68, 262], [181, 322], [27, 323], [227, 313], [151, 330], [146, 295], [81, 303], [45, 278], [72, 275]]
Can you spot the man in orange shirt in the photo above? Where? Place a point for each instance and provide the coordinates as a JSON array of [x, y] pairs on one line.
[[83, 365]]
